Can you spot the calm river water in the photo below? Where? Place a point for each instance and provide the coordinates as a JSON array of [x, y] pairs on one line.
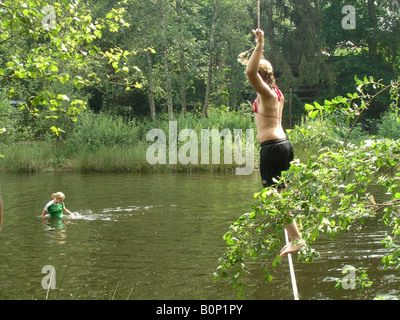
[[156, 236]]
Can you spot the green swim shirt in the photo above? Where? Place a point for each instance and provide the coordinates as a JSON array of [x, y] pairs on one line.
[[55, 210]]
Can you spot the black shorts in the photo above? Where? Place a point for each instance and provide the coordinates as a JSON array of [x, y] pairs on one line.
[[275, 157]]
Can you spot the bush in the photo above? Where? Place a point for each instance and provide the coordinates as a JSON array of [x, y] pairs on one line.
[[389, 127], [99, 130], [314, 134]]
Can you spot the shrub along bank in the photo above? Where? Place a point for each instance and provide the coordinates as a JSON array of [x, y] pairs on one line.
[[104, 143]]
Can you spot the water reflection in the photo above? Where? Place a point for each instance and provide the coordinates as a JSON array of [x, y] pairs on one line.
[[56, 229], [55, 224]]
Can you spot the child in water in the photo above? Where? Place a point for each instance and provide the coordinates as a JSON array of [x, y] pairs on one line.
[[56, 208]]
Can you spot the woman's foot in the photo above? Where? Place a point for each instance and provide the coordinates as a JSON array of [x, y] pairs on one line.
[[292, 247]]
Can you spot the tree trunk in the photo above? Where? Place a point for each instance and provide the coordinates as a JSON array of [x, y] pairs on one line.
[[182, 59], [169, 86], [149, 69], [211, 58], [183, 82], [150, 80], [166, 67], [372, 42]]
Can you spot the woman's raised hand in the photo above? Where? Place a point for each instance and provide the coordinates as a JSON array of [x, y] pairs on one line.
[[259, 34]]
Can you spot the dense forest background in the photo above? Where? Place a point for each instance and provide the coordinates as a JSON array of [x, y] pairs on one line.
[[163, 59], [196, 44]]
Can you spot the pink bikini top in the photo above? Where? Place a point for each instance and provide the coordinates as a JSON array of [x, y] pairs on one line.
[[255, 107]]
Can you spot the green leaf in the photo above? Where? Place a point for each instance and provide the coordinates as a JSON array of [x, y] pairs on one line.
[[63, 77], [55, 130], [62, 97], [313, 114], [54, 68], [358, 81], [318, 106], [309, 107], [98, 34], [277, 261], [79, 82], [314, 234], [11, 93], [268, 277], [350, 188]]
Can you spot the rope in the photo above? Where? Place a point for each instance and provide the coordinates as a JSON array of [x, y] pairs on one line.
[[243, 57], [292, 274]]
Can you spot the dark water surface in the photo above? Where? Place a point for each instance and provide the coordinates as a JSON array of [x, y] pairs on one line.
[[157, 236]]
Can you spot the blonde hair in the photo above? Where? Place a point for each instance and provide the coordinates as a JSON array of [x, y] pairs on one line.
[[265, 69], [58, 195]]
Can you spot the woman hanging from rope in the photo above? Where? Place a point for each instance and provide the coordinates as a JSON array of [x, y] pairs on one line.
[[276, 150]]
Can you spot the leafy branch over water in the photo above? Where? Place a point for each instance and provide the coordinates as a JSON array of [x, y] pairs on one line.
[[328, 195]]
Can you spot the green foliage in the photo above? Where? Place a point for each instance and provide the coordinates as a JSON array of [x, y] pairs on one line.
[[358, 278], [328, 194], [389, 126], [311, 135], [47, 45], [97, 50], [7, 121], [97, 130], [105, 143]]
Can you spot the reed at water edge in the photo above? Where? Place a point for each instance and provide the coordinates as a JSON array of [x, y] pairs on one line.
[[102, 143]]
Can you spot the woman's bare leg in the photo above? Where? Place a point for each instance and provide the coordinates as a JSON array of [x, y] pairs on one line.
[[295, 237], [296, 242]]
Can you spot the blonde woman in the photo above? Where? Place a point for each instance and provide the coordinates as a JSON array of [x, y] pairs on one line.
[[56, 208], [276, 149]]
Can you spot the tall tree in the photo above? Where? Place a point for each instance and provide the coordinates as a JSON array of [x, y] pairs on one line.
[[372, 41], [150, 80], [163, 6], [211, 58], [182, 60], [144, 33]]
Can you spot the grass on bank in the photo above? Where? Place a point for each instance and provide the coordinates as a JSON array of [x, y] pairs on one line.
[[40, 157], [105, 143], [101, 143]]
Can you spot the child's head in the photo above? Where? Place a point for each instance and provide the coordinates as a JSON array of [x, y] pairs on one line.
[[266, 72], [58, 197]]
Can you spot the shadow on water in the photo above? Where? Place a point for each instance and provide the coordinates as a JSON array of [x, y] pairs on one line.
[[157, 237]]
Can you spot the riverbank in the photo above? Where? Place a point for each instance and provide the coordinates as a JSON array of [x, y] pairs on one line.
[[40, 157], [105, 144]]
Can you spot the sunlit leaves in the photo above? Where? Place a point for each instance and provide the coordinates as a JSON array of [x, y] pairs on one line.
[[353, 105], [353, 279], [60, 46], [63, 77]]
